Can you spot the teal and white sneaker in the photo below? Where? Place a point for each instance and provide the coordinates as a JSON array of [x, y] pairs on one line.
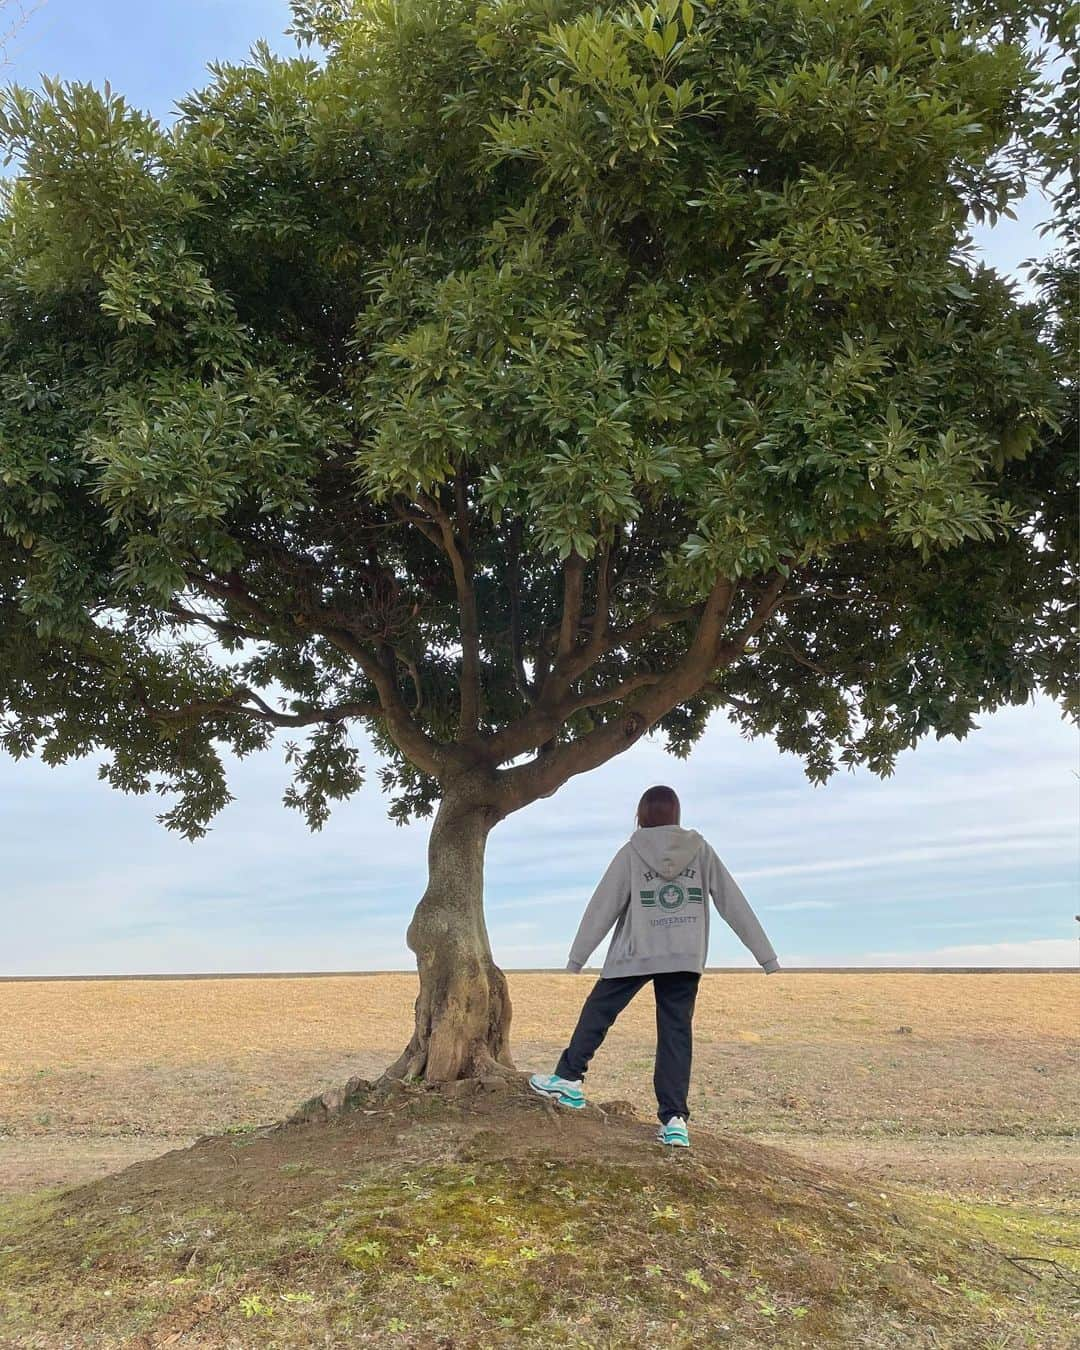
[[556, 1089], [674, 1133]]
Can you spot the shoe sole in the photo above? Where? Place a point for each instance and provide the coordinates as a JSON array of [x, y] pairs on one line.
[[557, 1097], [674, 1143]]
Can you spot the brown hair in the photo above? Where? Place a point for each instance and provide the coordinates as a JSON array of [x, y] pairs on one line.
[[658, 806]]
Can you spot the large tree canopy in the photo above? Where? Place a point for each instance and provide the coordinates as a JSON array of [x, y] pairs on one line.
[[518, 377]]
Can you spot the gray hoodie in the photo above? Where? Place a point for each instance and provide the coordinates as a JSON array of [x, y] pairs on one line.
[[656, 891]]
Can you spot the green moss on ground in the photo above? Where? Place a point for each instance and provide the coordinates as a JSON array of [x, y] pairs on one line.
[[503, 1223]]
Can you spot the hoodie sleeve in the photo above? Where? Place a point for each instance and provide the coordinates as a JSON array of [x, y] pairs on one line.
[[607, 903], [734, 909]]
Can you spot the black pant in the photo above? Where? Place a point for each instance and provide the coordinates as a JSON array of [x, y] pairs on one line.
[[675, 992]]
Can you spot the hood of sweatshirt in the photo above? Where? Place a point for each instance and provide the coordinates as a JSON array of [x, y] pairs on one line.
[[666, 849]]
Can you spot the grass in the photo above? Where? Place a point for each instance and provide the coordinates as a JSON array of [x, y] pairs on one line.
[[443, 1225], [816, 1059], [502, 1223]]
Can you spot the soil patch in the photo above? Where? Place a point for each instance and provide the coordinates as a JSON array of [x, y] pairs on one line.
[[489, 1217]]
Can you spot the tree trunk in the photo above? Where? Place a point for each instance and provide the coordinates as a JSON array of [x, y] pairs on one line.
[[463, 1008]]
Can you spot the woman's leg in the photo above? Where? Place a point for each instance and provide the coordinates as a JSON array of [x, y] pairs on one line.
[[605, 1002], [676, 992]]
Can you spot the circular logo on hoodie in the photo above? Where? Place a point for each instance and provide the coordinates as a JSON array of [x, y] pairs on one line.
[[670, 896]]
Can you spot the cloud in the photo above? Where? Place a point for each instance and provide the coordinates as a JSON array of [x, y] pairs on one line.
[[974, 848], [963, 834], [1036, 952], [574, 895], [802, 904]]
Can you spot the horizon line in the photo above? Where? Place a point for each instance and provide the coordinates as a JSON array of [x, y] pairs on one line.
[[546, 970]]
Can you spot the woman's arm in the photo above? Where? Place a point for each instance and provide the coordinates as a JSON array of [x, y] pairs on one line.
[[735, 910], [607, 903]]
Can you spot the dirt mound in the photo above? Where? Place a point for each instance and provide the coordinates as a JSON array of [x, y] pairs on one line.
[[484, 1216]]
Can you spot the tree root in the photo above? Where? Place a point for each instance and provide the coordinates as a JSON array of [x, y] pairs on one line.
[[392, 1088], [347, 1097], [391, 1091]]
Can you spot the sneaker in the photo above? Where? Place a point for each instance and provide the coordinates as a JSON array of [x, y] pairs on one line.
[[674, 1132], [561, 1090]]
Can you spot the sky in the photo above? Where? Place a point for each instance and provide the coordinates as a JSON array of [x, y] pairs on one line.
[[968, 855]]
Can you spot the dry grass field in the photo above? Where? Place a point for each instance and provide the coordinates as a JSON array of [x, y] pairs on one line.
[[924, 1196], [957, 1083]]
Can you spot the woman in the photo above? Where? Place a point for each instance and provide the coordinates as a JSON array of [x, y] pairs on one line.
[[656, 891]]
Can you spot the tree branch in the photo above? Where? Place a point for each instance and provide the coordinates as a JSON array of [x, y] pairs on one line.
[[573, 591], [626, 637], [517, 658], [223, 627], [541, 776], [802, 659], [556, 682], [602, 617], [411, 667], [542, 721], [766, 606], [595, 698], [262, 712], [409, 737], [461, 501], [423, 525], [407, 734], [461, 563], [730, 701]]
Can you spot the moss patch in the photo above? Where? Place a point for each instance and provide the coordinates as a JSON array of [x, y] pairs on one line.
[[1018, 1231], [503, 1222]]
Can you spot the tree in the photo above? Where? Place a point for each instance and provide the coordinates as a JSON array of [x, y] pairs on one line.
[[516, 379], [13, 15]]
